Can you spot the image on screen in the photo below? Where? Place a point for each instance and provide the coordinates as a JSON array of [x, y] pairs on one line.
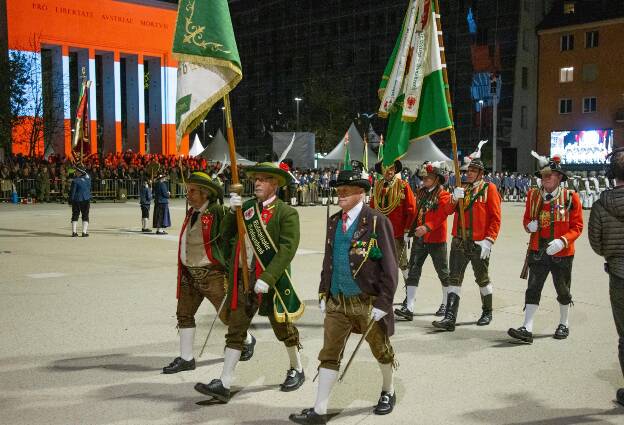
[[577, 147]]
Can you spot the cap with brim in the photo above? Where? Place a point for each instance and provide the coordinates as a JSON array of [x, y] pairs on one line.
[[380, 168], [204, 181], [351, 178], [548, 169], [282, 176], [475, 163]]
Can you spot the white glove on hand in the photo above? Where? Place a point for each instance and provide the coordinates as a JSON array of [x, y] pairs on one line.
[[532, 226], [322, 306], [377, 314], [486, 248], [236, 201], [261, 287], [554, 247], [407, 238], [458, 193]]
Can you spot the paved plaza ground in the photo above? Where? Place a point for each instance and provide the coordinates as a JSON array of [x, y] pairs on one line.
[[88, 323]]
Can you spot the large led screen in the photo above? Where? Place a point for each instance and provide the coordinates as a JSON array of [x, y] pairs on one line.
[[582, 146]]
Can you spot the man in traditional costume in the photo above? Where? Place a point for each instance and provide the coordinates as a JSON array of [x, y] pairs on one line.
[[358, 282], [272, 238], [553, 215]]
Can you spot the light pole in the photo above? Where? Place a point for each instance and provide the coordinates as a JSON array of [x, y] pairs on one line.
[[298, 99], [204, 131], [480, 117]]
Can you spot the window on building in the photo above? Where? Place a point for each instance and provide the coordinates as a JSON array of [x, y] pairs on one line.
[[565, 106], [591, 39], [566, 74], [525, 77], [568, 7], [590, 72], [567, 42], [589, 105], [523, 117]]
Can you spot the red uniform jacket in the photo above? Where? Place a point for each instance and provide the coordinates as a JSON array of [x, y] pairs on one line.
[[404, 213], [431, 212], [482, 213], [564, 212]]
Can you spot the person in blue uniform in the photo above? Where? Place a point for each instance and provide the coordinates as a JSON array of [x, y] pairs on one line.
[[145, 200], [80, 200], [162, 219]]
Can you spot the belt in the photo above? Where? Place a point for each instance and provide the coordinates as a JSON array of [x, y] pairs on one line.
[[199, 273], [341, 297]]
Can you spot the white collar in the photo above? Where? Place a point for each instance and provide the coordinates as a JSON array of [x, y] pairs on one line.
[[554, 194], [269, 201], [202, 208], [355, 211]]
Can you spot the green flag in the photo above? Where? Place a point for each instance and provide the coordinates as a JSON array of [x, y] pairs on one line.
[[209, 66], [347, 157], [412, 90]]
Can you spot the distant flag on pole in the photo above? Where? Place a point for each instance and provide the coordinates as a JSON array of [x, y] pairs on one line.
[[381, 148], [365, 156], [347, 156], [209, 65], [412, 89]]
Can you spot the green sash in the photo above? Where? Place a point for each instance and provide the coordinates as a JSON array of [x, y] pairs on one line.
[[286, 304]]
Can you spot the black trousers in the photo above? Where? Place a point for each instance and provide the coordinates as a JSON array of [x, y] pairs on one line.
[[145, 211], [80, 208], [540, 265], [616, 293], [418, 255], [462, 254]]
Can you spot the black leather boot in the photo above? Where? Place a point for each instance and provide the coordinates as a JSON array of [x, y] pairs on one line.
[[441, 311], [179, 365], [486, 315], [214, 389], [452, 305]]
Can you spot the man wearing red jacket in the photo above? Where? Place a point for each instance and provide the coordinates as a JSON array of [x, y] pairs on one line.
[[554, 217], [429, 227], [393, 197], [481, 204]]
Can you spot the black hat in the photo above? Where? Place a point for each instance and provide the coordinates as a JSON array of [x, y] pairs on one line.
[[351, 178], [380, 168], [553, 165]]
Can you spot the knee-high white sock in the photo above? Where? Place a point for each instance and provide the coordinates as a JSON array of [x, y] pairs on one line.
[[411, 297], [327, 379], [74, 226], [387, 374], [187, 336], [486, 290], [564, 311], [445, 291], [455, 289], [230, 360], [295, 358], [529, 314], [85, 226]]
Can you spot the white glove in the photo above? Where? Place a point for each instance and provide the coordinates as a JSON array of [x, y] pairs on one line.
[[407, 238], [554, 247], [377, 314], [236, 201], [458, 193], [486, 248], [261, 287], [322, 305], [532, 226]]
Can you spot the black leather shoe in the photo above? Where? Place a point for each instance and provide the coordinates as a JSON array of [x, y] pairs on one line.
[[294, 380], [485, 319], [521, 333], [385, 404], [619, 396], [307, 416], [85, 235], [562, 332], [441, 311], [179, 365], [404, 314], [214, 389], [248, 350], [74, 235]]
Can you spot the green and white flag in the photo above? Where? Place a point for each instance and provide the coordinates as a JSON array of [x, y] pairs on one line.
[[209, 65], [412, 90], [347, 157]]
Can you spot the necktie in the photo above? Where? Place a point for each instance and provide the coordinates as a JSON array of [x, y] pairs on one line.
[[194, 218], [344, 222]]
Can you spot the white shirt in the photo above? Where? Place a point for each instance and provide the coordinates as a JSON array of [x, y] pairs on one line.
[[353, 213]]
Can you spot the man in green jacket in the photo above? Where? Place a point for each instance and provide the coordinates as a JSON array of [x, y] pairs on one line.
[[270, 244]]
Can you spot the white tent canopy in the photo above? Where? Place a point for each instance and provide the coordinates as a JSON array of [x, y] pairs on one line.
[[356, 150], [197, 147], [218, 150], [422, 150]]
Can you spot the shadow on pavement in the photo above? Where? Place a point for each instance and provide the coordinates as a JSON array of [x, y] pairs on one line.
[[118, 362]]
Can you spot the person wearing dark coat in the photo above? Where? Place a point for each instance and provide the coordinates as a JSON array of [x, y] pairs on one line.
[[145, 200], [162, 219], [358, 283], [80, 200]]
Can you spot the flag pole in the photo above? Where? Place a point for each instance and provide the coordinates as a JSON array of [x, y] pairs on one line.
[[237, 188], [447, 90]]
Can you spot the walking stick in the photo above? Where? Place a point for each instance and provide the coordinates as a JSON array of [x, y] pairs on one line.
[[212, 326], [357, 347]]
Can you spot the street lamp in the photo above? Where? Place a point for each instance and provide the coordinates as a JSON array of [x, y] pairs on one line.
[[298, 99]]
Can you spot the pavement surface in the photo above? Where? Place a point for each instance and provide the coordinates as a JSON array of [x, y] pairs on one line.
[[88, 324]]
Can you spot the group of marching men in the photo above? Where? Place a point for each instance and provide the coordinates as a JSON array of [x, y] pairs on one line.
[[366, 245]]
